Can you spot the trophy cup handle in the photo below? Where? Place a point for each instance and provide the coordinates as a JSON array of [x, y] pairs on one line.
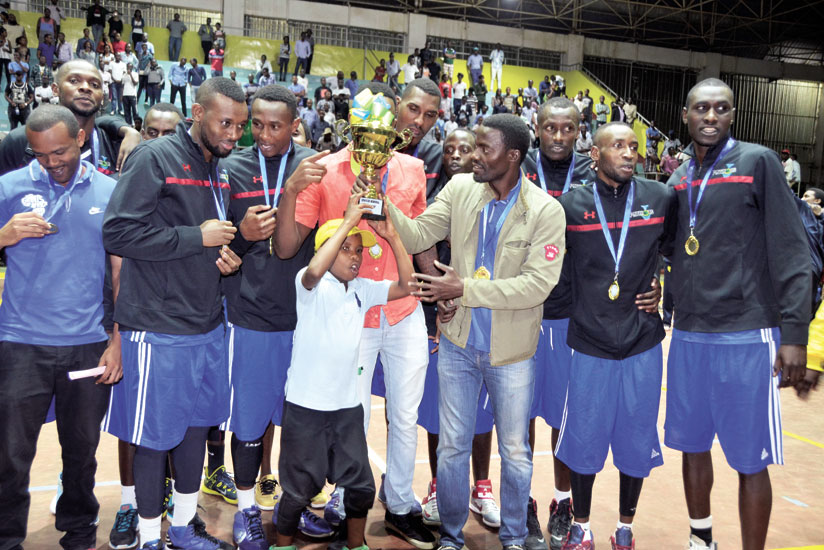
[[341, 128], [406, 139]]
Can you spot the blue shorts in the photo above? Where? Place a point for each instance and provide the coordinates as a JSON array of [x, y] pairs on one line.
[[614, 404], [258, 362], [170, 382], [552, 361], [428, 410], [723, 384]]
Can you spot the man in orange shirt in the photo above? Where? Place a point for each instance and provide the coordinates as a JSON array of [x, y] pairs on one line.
[[397, 330]]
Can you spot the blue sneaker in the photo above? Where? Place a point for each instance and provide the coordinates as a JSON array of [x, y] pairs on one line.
[[194, 537], [577, 539], [247, 531], [334, 513], [156, 544], [622, 539], [124, 530], [310, 524]]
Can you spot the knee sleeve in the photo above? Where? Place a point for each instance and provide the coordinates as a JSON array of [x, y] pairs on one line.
[[150, 482]]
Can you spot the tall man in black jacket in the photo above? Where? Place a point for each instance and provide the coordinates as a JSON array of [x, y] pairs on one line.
[[167, 219], [741, 283], [615, 229]]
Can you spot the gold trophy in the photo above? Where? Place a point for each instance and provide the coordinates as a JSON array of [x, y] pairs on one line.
[[373, 141]]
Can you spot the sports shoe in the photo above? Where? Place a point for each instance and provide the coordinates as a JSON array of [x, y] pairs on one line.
[[535, 537], [314, 526], [697, 543], [416, 509], [194, 537], [335, 513], [319, 501], [124, 530], [53, 504], [575, 539], [483, 502], [514, 547], [156, 544], [431, 516], [169, 501], [219, 483], [410, 528], [266, 492], [560, 518], [247, 531], [622, 539]]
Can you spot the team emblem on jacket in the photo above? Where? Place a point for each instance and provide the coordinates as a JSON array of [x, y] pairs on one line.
[[104, 163], [645, 213], [551, 252], [726, 172], [36, 202]]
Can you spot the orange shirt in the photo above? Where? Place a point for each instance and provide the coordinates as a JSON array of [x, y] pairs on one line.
[[406, 187]]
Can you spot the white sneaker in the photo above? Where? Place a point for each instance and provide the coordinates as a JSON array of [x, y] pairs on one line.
[[697, 543], [483, 503], [430, 505], [53, 505]]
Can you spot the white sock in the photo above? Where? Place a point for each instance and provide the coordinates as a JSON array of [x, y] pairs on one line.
[[562, 495], [622, 525], [245, 499], [185, 509], [149, 529], [127, 496], [705, 523]]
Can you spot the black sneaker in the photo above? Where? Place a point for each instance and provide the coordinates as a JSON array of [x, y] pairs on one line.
[[535, 537], [560, 520], [410, 528], [124, 530]]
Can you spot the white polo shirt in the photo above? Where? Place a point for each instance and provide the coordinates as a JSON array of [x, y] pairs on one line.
[[323, 375]]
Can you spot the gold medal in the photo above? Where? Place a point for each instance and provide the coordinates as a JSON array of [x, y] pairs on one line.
[[482, 273], [691, 246], [376, 251], [271, 246], [614, 290], [53, 228]]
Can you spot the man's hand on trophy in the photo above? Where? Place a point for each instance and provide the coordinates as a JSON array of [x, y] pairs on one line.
[[307, 173], [362, 184]]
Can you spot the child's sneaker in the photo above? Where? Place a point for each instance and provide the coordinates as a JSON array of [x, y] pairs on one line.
[[560, 518], [319, 501], [194, 537], [124, 530], [335, 513], [697, 543]]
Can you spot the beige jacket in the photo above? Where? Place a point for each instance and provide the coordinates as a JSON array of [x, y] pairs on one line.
[[528, 260]]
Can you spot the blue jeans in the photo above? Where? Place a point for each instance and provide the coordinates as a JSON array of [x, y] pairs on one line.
[[174, 47], [460, 375]]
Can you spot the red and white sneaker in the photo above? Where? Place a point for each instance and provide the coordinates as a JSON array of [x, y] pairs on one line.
[[430, 505], [483, 503]]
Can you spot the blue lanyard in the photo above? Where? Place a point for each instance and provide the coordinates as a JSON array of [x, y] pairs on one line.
[[691, 172], [415, 152], [385, 180], [95, 148], [53, 185], [221, 212], [624, 227], [500, 224], [568, 178], [265, 177]]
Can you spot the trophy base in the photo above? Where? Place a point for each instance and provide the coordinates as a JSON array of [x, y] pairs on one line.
[[376, 213], [376, 217]]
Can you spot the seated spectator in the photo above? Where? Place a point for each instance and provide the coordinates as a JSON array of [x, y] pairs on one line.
[[325, 103], [261, 64], [450, 126], [297, 89], [327, 141], [118, 45], [583, 144], [320, 89], [308, 113], [250, 88], [669, 162], [87, 54], [45, 94], [319, 125], [530, 93], [302, 80], [266, 78]]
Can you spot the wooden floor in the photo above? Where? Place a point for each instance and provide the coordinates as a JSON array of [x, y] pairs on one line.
[[661, 523]]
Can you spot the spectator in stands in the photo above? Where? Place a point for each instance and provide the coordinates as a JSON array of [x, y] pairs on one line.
[[528, 113], [249, 89], [207, 37], [63, 51], [130, 81], [283, 58], [654, 136], [327, 141], [509, 100], [115, 25], [308, 114], [128, 56], [260, 64], [520, 100], [87, 54], [320, 89], [220, 36], [446, 94], [18, 64], [601, 114], [40, 73], [96, 19], [233, 78], [302, 50], [416, 58], [587, 110], [450, 126], [434, 70], [544, 88], [478, 118], [669, 162], [481, 90], [410, 70], [458, 92], [143, 63], [303, 80], [352, 84], [149, 46], [117, 70], [320, 124], [302, 136], [118, 45], [340, 96], [44, 94], [498, 106], [155, 80], [179, 79], [176, 29], [530, 93], [216, 59], [106, 59], [298, 89], [448, 60], [310, 38], [630, 112], [426, 55], [57, 15], [579, 101], [672, 141], [617, 110], [796, 167], [5, 55], [266, 78], [325, 102], [85, 39], [380, 71], [496, 59], [561, 82], [103, 44], [46, 49], [19, 95], [138, 25], [195, 77], [45, 25], [475, 66], [393, 69]]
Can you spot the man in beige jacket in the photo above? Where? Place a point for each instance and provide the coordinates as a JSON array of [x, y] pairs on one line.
[[507, 251]]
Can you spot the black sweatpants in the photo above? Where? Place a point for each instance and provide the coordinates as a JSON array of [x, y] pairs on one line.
[[320, 445], [29, 376]]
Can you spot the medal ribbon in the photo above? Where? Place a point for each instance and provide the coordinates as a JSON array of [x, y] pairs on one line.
[[53, 184], [624, 226], [499, 225], [691, 173], [221, 210], [265, 177], [95, 148], [385, 179], [568, 178]]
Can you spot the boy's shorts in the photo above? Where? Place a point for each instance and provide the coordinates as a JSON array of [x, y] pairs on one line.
[[612, 403], [258, 363], [723, 383], [552, 361], [170, 382]]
